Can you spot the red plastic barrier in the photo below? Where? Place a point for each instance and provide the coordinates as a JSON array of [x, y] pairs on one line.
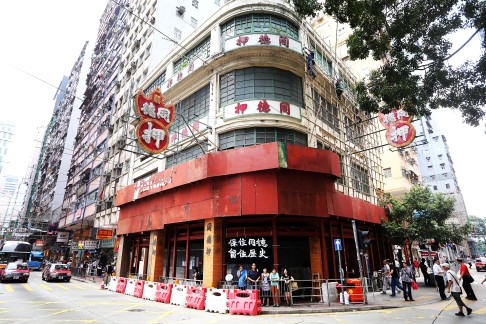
[[138, 291], [244, 302], [121, 285], [355, 290], [196, 297], [163, 292]]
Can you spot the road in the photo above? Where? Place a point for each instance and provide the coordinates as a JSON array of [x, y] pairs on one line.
[[79, 302]]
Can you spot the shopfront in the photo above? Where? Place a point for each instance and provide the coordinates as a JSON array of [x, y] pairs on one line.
[[229, 208]]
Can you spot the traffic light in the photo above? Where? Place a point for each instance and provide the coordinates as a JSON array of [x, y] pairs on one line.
[[364, 239]]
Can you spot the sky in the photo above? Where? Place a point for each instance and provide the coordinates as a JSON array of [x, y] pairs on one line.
[[44, 38]]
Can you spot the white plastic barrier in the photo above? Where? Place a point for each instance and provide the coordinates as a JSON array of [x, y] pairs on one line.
[[216, 300], [112, 284], [179, 293], [149, 289], [130, 287], [331, 295]]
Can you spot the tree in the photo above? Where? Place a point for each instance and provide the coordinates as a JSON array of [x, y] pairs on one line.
[[411, 38], [478, 227], [420, 216]]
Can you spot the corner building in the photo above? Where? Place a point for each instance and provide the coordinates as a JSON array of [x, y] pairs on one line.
[[264, 163]]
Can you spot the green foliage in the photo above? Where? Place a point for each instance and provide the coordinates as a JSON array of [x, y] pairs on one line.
[[478, 227], [421, 215], [411, 36]]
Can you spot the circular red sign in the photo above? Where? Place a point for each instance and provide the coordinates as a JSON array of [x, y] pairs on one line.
[[152, 135], [400, 134]]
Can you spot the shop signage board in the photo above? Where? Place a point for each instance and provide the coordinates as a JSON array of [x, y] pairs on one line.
[[90, 245], [62, 237], [246, 250], [399, 129], [104, 234]]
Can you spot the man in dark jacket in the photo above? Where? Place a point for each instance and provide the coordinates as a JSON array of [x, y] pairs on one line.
[[423, 268]]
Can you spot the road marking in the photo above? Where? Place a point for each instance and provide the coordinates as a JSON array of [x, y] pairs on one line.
[[79, 287], [61, 286], [9, 288], [161, 316], [27, 287], [62, 311], [46, 287], [480, 311]]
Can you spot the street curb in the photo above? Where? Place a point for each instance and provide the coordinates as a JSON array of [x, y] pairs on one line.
[[327, 310]]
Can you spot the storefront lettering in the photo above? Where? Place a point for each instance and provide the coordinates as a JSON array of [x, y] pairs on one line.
[[264, 39], [251, 248]]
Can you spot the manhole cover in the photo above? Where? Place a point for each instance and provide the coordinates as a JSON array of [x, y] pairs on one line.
[[136, 310]]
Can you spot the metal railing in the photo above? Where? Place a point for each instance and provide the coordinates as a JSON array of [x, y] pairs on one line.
[[181, 281]]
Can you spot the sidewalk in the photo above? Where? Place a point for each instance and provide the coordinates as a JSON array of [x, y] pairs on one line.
[[377, 300]]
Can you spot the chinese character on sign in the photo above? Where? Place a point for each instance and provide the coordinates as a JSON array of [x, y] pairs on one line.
[[184, 132], [402, 132], [262, 254], [252, 253], [242, 242], [241, 40], [209, 227], [263, 106], [169, 84], [195, 126], [282, 40], [262, 242], [389, 118], [180, 76], [173, 138], [232, 253], [191, 67], [148, 108], [264, 39], [233, 243], [208, 239], [240, 108], [153, 133], [285, 108], [402, 114], [251, 242], [208, 251], [242, 254], [164, 114]]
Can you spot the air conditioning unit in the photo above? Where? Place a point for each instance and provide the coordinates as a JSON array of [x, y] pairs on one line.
[[152, 20], [118, 84], [136, 43], [133, 65], [181, 10]]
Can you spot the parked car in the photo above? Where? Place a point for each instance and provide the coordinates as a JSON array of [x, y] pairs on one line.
[[56, 271], [15, 271], [480, 264]]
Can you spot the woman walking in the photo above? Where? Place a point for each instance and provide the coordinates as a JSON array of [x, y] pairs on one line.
[[287, 279], [406, 274], [274, 279], [265, 287]]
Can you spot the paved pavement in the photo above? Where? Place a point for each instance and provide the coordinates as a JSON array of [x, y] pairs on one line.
[[376, 301]]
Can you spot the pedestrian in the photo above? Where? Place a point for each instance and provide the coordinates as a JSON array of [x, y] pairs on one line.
[[455, 289], [406, 274], [265, 278], [439, 274], [395, 280], [274, 279], [242, 275], [467, 279], [386, 276], [423, 268], [287, 285], [416, 267], [253, 276]]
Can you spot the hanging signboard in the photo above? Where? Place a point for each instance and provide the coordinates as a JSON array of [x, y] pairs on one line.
[[104, 234], [155, 119], [62, 237], [246, 250], [399, 129]]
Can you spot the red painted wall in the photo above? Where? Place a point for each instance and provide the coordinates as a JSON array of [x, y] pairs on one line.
[[266, 179]]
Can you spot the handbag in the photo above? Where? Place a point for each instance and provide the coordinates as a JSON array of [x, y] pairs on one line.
[[414, 285], [467, 278], [295, 285]]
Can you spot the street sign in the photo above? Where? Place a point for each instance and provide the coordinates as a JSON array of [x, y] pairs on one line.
[[337, 245]]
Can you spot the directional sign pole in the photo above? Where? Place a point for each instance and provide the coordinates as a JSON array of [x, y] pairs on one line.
[[341, 276]]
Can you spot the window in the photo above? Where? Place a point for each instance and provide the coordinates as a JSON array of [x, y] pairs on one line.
[[321, 60], [442, 166], [187, 154], [360, 178], [428, 158], [200, 51], [260, 83], [429, 167], [157, 83], [177, 34], [435, 187], [440, 156], [448, 186], [260, 135], [258, 24], [387, 172], [191, 108], [145, 176], [325, 111], [195, 3], [193, 22]]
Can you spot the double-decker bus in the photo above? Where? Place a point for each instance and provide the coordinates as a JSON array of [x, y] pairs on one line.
[[35, 260], [12, 251]]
